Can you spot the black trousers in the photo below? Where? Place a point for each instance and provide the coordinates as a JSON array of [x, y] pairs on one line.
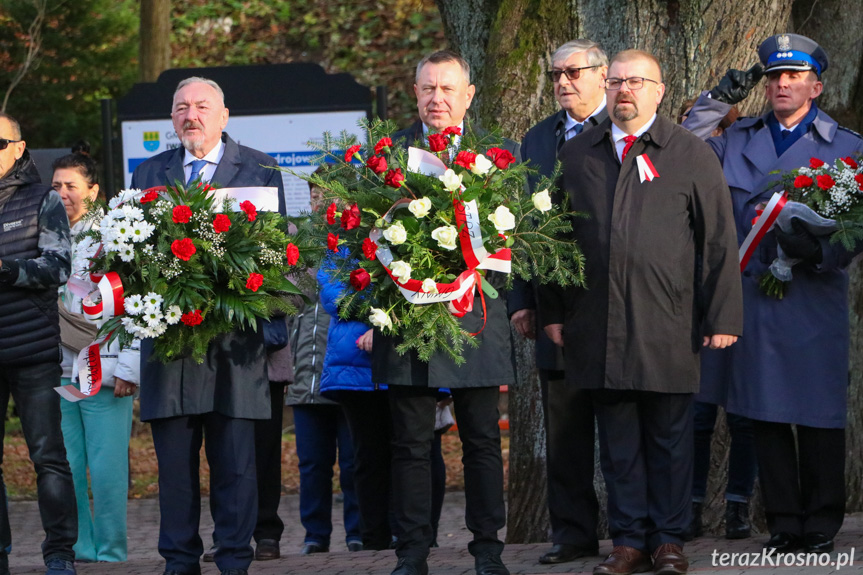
[[268, 462], [570, 442], [803, 485], [230, 449], [646, 452], [476, 411]]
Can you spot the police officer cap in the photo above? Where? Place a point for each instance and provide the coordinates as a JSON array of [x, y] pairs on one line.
[[792, 52]]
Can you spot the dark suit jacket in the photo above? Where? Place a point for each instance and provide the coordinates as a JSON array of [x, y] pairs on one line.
[[232, 380], [540, 147], [489, 364]]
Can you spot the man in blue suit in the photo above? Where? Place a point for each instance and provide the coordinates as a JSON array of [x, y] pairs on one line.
[[578, 77], [222, 397], [791, 367]]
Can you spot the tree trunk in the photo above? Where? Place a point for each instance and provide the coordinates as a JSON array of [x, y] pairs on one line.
[[155, 52]]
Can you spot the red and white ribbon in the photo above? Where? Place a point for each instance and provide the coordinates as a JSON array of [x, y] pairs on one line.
[[107, 300], [646, 169], [760, 227]]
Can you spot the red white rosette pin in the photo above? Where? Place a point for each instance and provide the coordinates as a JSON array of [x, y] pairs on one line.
[[646, 169]]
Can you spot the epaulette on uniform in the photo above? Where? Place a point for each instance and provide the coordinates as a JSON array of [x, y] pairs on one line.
[[850, 131]]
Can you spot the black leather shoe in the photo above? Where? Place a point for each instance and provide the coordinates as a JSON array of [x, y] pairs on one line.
[[411, 566], [817, 543], [489, 564], [737, 520], [310, 548], [267, 549], [784, 542], [355, 546], [564, 552], [210, 554]]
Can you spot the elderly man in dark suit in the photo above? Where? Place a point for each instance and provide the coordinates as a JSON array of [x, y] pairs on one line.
[[578, 76], [632, 335], [222, 397], [444, 93]]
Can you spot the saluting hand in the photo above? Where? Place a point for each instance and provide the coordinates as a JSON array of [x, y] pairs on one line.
[[734, 87]]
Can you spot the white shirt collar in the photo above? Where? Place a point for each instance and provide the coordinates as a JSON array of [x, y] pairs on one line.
[[617, 135], [212, 158]]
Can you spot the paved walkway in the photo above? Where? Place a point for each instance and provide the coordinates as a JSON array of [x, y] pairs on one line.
[[451, 558]]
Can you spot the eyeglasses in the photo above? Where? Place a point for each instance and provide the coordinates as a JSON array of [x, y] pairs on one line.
[[634, 83], [4, 143], [572, 74]]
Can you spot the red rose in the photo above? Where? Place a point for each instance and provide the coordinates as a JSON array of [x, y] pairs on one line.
[[437, 142], [803, 182], [849, 161], [192, 318], [150, 196], [331, 214], [465, 159], [369, 249], [255, 281], [292, 252], [452, 131], [377, 164], [815, 163], [181, 214], [825, 182], [383, 143], [249, 208], [183, 249], [501, 158], [349, 153], [221, 223], [360, 279], [333, 241], [394, 178], [351, 217], [859, 179]]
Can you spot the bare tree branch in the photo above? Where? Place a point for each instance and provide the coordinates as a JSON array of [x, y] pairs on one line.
[[34, 44]]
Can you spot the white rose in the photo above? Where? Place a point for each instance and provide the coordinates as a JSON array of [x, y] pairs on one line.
[[429, 286], [446, 237], [380, 318], [421, 207], [542, 201], [481, 165], [502, 219], [451, 181], [396, 234], [402, 270]]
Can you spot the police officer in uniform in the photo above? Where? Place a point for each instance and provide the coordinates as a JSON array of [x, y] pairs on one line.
[[790, 369]]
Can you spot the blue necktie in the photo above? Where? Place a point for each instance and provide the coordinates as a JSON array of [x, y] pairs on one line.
[[197, 166], [574, 131]]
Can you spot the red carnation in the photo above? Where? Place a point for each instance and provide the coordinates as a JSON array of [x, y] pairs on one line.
[[183, 249], [369, 249], [151, 196], [501, 158], [825, 182], [849, 161], [377, 164], [383, 143], [292, 252], [859, 179], [437, 142], [221, 223], [351, 217], [249, 208], [452, 131], [815, 163], [192, 318], [803, 181], [394, 178], [255, 281], [465, 159], [181, 214], [331, 213], [349, 153], [360, 279], [333, 241]]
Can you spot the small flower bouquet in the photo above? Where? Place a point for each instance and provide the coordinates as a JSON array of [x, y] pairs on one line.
[[826, 200], [420, 236], [179, 265]]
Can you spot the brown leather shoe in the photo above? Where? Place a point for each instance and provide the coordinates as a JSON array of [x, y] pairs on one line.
[[624, 560], [668, 559]]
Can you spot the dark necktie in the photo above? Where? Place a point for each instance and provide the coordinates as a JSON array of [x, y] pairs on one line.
[[785, 133], [197, 166], [574, 131], [629, 141]]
